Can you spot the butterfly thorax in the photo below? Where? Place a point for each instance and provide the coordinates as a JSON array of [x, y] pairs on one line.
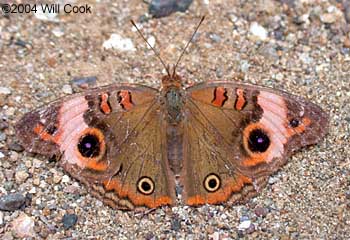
[[173, 98]]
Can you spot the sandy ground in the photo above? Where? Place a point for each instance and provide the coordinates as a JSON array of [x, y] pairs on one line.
[[305, 52]]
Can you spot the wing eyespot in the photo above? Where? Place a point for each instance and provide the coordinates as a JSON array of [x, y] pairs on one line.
[[212, 182], [91, 144], [294, 123], [258, 141], [145, 185]]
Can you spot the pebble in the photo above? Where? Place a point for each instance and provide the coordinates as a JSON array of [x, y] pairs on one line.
[[23, 226], [21, 176], [69, 220], [261, 211], [347, 42], [2, 155], [2, 136], [258, 31], [5, 91], [3, 124], [347, 11], [215, 236], [57, 178], [14, 146], [67, 89], [118, 42], [9, 173], [244, 225], [58, 32], [65, 179], [1, 218], [215, 37], [152, 41], [163, 8], [84, 82], [175, 224], [328, 18], [12, 202], [245, 66]]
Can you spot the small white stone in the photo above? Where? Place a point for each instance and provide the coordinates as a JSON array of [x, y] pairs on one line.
[[21, 176], [37, 163], [10, 111], [1, 218], [5, 91], [279, 76], [58, 32], [65, 179], [215, 236], [43, 184], [2, 155], [67, 89], [328, 18], [245, 66], [258, 31], [33, 190], [57, 178], [23, 226], [118, 42], [152, 41], [244, 225]]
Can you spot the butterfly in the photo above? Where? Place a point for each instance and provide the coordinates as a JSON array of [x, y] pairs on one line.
[[138, 147]]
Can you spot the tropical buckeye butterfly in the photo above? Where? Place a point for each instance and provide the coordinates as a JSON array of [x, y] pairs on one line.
[[132, 145]]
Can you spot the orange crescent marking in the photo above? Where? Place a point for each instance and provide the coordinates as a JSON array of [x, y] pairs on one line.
[[240, 100], [125, 99], [136, 198], [219, 97], [44, 135], [222, 195], [106, 109]]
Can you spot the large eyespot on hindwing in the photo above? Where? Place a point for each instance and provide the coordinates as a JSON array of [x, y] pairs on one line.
[[145, 185], [91, 148], [212, 183]]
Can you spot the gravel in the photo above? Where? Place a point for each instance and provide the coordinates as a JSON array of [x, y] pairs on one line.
[[298, 46]]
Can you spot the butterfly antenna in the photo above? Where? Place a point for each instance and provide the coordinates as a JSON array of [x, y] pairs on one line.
[[155, 52], [188, 43]]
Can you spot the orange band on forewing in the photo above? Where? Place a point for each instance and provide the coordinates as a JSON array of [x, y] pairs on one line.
[[44, 135], [220, 97], [223, 194], [135, 197], [301, 128], [40, 131], [106, 109], [125, 101], [240, 99]]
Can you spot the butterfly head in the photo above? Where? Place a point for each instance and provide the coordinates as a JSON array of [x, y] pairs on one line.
[[171, 80]]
